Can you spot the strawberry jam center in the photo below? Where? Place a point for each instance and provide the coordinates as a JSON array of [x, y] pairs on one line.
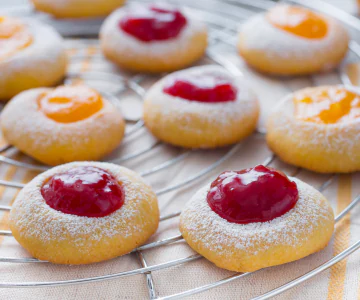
[[204, 88], [257, 194], [153, 23], [84, 191]]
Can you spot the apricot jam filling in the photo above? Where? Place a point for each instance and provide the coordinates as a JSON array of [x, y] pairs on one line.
[[67, 104], [14, 36], [84, 191], [298, 21], [153, 23], [328, 105], [205, 88], [258, 194]]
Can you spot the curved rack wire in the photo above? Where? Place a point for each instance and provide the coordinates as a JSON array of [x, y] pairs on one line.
[[223, 25]]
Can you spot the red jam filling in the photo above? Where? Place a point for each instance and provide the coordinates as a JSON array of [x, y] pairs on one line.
[[205, 88], [154, 23], [84, 191], [252, 195]]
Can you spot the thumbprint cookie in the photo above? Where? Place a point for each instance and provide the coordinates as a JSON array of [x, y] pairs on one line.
[[64, 124], [256, 218], [318, 129], [31, 55], [152, 38], [292, 40], [84, 212], [201, 107]]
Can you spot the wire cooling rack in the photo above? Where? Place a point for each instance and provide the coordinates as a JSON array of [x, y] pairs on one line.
[[223, 19]]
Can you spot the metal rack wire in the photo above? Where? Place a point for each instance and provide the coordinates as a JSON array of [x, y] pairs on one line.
[[223, 22]]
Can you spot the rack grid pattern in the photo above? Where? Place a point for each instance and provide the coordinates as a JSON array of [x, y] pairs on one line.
[[223, 21]]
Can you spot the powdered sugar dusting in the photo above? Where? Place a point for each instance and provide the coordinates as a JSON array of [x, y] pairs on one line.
[[34, 219], [205, 227], [222, 114]]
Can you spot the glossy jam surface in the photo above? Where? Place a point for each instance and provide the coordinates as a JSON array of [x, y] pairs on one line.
[[298, 21], [201, 88], [153, 23], [84, 191], [67, 104], [14, 36], [328, 105], [258, 194]]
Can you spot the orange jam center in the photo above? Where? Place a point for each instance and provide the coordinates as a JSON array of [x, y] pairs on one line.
[[299, 21], [327, 106], [67, 104], [14, 36]]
